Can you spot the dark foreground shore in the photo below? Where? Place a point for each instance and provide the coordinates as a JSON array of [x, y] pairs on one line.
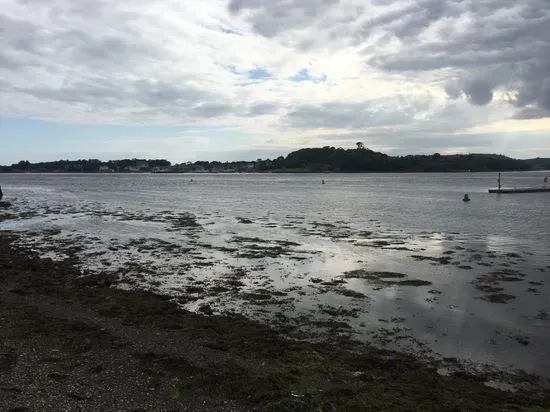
[[72, 343]]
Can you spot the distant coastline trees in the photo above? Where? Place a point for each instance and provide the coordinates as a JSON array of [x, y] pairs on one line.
[[323, 159]]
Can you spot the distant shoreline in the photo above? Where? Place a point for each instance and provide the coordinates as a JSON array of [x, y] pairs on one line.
[[310, 160], [278, 172]]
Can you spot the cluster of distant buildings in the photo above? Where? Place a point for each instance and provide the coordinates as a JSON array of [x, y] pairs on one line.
[[214, 167], [137, 167], [128, 166], [189, 167]]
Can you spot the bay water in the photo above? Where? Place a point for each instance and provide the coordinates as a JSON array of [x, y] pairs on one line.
[[398, 260]]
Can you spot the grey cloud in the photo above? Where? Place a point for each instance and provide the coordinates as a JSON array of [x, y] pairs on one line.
[[19, 37], [453, 90], [30, 42], [530, 113], [275, 7], [343, 115], [259, 109], [404, 23], [112, 50], [412, 19], [208, 110], [478, 91], [416, 104], [147, 98], [8, 62], [534, 84], [160, 93], [272, 17], [91, 56], [440, 128], [73, 94], [488, 44], [235, 6], [509, 51]]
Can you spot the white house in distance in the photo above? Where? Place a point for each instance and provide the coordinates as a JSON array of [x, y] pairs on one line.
[[140, 166], [105, 169]]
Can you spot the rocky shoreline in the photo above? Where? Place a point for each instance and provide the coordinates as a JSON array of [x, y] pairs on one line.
[[72, 342]]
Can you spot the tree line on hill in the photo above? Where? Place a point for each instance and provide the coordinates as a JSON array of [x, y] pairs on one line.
[[325, 159]]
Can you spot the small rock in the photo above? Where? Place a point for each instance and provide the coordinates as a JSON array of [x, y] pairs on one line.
[[56, 376], [81, 396], [206, 309], [96, 369]]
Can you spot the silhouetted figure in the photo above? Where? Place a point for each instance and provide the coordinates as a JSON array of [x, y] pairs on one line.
[[323, 181], [466, 198], [545, 182], [1, 194]]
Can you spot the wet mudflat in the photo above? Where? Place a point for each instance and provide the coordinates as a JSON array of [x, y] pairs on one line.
[[71, 341]]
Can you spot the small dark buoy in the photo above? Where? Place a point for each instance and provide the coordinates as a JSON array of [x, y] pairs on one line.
[[466, 198]]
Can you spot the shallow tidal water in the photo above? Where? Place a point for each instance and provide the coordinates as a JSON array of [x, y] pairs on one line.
[[393, 259]]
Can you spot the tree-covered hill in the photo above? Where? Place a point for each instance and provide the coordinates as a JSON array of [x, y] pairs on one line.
[[331, 159], [539, 163]]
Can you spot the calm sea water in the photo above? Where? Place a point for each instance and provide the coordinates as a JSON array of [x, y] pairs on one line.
[[409, 201], [375, 222]]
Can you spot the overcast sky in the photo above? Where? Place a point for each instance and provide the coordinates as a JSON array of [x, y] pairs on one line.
[[242, 79]]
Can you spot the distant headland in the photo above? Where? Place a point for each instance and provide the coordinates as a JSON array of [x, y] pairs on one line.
[[309, 160]]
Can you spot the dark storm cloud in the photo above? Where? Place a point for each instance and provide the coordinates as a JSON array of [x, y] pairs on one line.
[[478, 91], [501, 48]]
